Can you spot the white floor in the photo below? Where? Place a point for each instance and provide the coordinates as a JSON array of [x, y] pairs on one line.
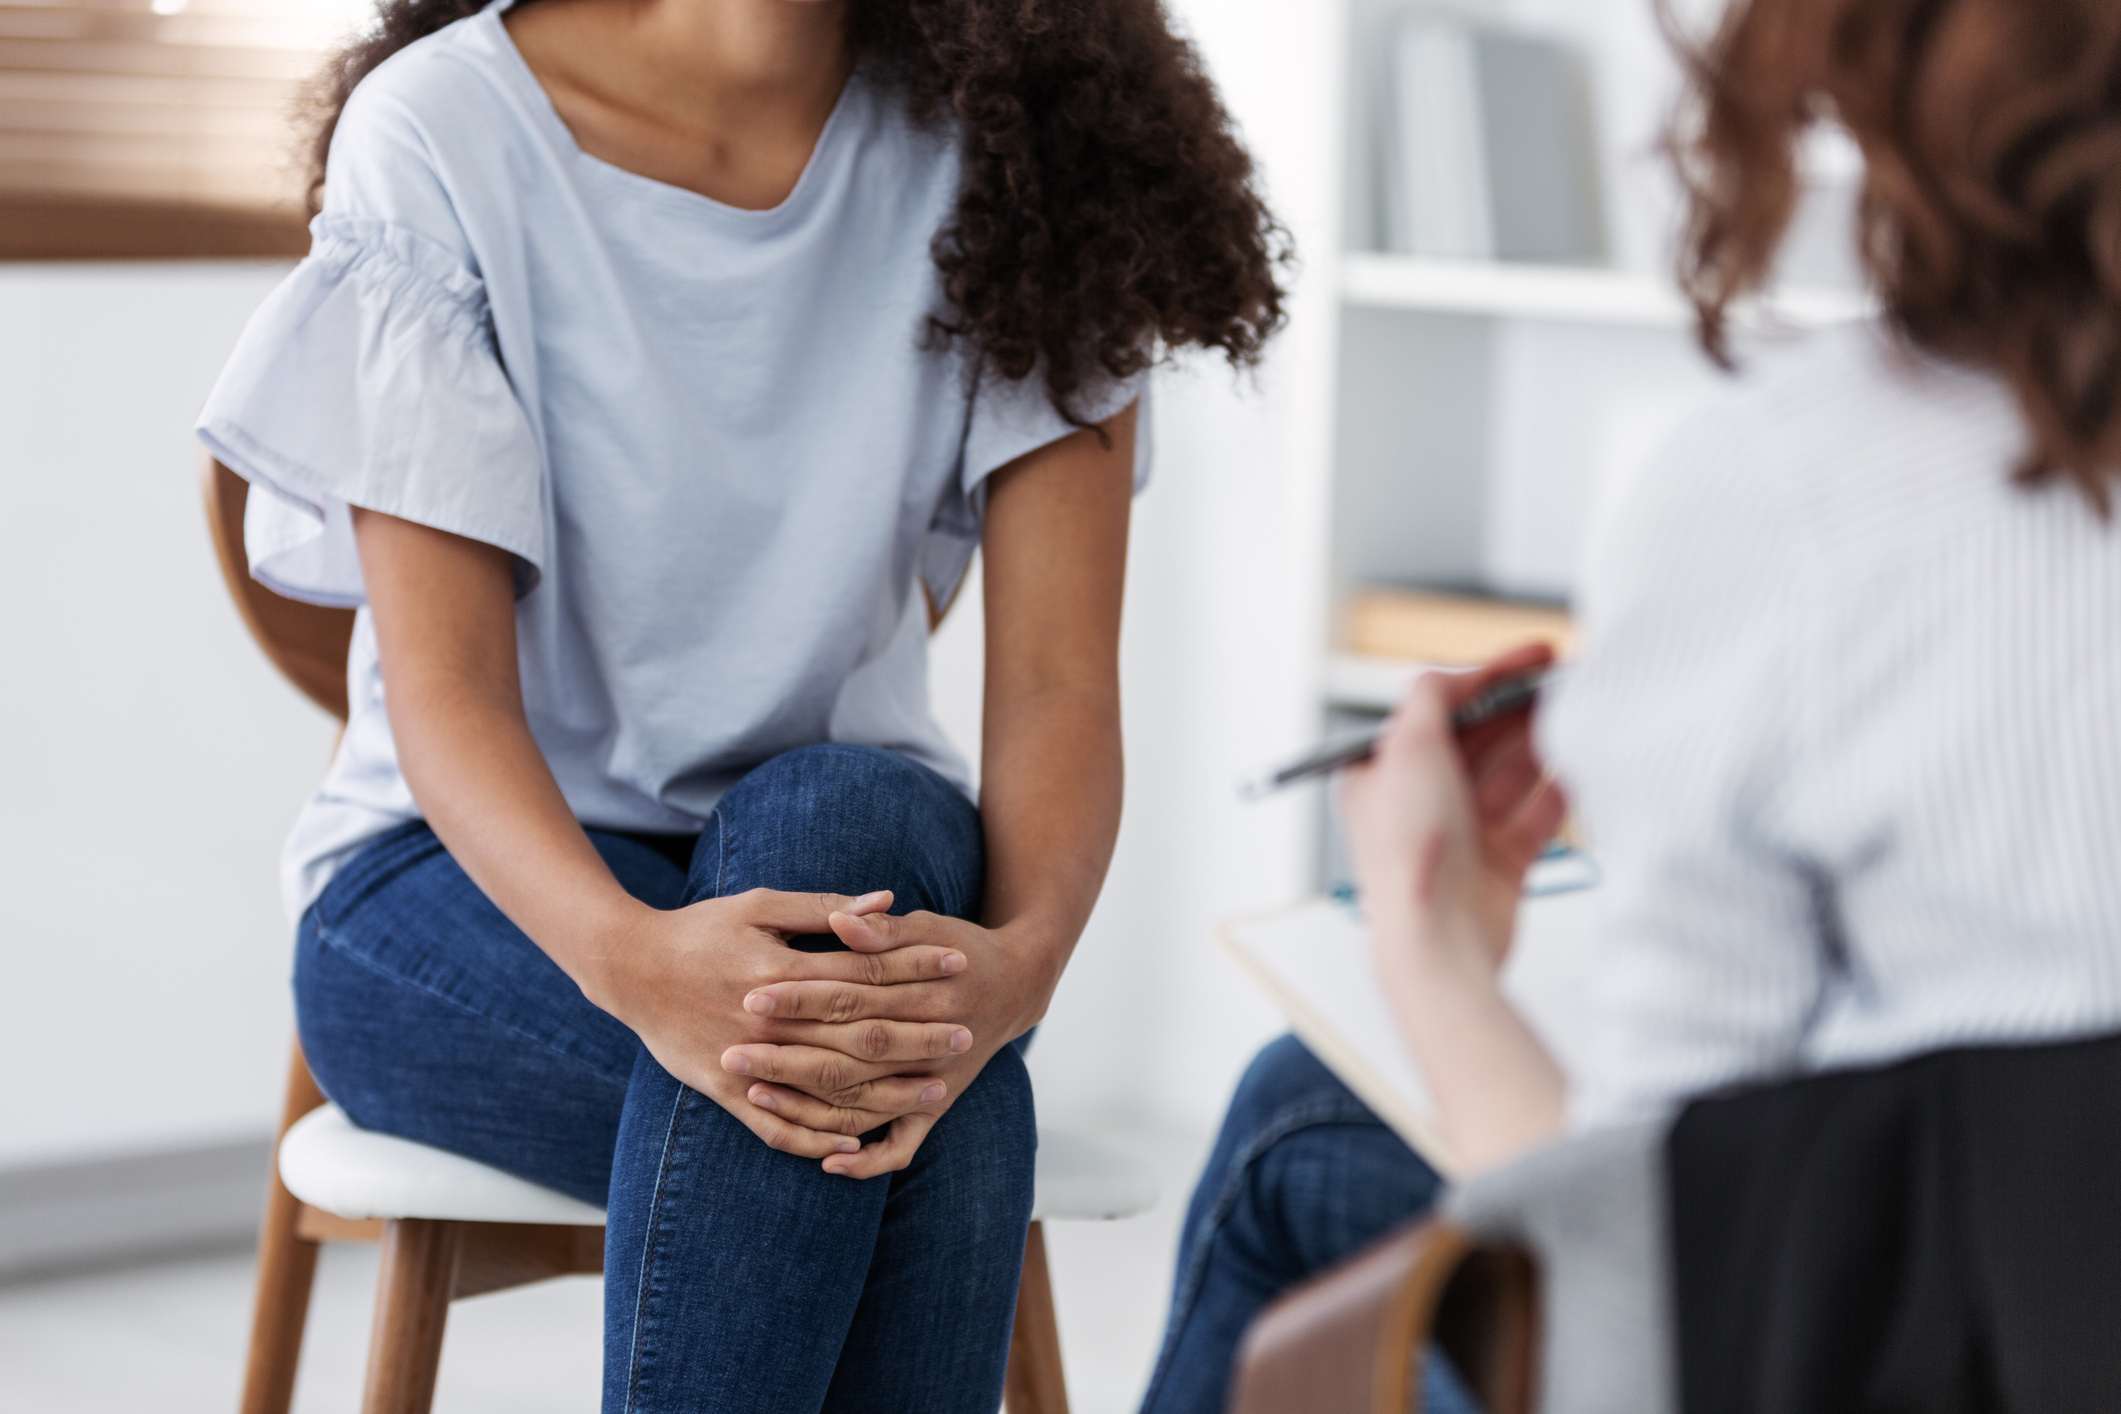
[[169, 1338]]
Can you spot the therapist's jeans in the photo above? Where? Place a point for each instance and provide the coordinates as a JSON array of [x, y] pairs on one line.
[[736, 1278], [1302, 1175]]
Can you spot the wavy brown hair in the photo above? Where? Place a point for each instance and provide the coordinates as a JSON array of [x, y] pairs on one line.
[[1107, 213], [1990, 217]]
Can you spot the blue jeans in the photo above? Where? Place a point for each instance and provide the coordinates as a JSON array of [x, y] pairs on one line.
[[736, 1278], [1302, 1176]]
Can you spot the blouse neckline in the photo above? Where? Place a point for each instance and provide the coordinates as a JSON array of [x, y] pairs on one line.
[[755, 221]]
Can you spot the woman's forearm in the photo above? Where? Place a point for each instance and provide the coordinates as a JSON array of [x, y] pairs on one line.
[[1050, 778], [1434, 854], [456, 713], [1498, 1091], [486, 790], [1051, 784]]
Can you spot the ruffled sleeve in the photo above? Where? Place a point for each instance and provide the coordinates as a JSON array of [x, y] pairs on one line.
[[370, 378], [1006, 420]]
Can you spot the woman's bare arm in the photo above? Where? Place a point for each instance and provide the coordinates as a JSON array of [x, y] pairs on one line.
[[1051, 774], [1442, 828], [444, 611]]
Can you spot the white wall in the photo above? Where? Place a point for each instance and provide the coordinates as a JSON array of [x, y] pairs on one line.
[[150, 760]]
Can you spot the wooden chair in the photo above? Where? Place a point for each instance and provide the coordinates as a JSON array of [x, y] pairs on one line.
[[451, 1228], [1350, 1341], [1548, 1269], [1572, 1266], [1352, 1338]]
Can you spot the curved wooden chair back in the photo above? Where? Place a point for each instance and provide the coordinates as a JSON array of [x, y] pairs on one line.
[[1350, 1340], [306, 642]]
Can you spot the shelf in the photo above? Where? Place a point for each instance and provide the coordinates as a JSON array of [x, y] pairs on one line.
[[1562, 293]]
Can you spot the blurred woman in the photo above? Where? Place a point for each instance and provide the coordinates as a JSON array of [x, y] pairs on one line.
[[1843, 726]]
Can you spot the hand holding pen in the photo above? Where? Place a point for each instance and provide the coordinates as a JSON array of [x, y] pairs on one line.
[[1501, 693], [1454, 806]]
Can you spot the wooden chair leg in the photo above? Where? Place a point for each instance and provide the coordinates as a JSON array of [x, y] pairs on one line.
[[287, 1264], [1034, 1384], [413, 1287]]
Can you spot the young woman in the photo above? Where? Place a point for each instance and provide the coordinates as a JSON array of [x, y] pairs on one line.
[[657, 368], [1844, 721]]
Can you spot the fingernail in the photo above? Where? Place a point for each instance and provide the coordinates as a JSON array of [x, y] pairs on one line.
[[848, 1146], [736, 1063], [954, 963], [763, 1099], [960, 1040], [930, 1095], [759, 1003], [871, 900], [835, 1172]]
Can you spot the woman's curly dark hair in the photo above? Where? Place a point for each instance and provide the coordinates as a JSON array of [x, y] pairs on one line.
[[1990, 222], [1107, 213]]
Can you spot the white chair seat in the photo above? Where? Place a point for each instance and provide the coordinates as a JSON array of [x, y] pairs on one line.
[[328, 1163], [1081, 1178]]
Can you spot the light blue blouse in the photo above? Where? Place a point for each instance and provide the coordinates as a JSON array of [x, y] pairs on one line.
[[712, 438]]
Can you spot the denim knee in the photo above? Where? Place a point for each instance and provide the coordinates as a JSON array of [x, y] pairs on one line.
[[985, 1152], [887, 785], [1312, 1172], [1302, 1175], [1285, 1079], [848, 819]]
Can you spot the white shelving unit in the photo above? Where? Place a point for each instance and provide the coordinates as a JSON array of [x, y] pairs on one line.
[[1464, 386], [1479, 405]]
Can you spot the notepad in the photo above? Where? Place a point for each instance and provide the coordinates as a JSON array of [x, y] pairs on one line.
[[1313, 959]]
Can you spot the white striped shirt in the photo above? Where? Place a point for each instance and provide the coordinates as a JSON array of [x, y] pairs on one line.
[[1847, 735]]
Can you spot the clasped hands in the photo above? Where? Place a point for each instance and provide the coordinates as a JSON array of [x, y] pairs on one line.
[[810, 1050]]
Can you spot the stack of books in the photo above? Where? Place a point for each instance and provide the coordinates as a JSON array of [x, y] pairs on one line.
[[1450, 630], [1388, 636]]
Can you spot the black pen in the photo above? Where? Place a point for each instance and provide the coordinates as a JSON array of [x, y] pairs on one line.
[[1500, 699]]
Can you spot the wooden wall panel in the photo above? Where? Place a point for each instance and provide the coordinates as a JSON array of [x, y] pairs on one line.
[[33, 228], [128, 134]]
